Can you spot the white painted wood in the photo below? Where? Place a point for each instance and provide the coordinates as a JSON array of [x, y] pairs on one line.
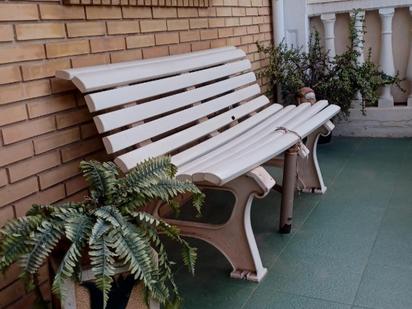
[[328, 21], [237, 165], [243, 142], [409, 69], [181, 138], [386, 55], [92, 81], [135, 135], [116, 97], [278, 20], [69, 74], [253, 139], [136, 113]]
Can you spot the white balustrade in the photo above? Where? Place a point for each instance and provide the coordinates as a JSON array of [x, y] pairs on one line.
[[409, 69], [386, 55], [328, 21], [359, 27]]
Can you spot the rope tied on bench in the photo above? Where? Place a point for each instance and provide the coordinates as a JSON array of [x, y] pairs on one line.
[[303, 150]]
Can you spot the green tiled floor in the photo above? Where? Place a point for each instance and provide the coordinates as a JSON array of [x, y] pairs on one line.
[[350, 248]]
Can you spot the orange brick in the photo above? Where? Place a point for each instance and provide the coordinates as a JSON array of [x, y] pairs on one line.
[[240, 31], [12, 273], [61, 85], [177, 24], [14, 192], [140, 41], [81, 149], [225, 32], [13, 113], [187, 12], [56, 139], [82, 29], [58, 174], [189, 36], [6, 33], [82, 61], [14, 153], [88, 130], [22, 91], [18, 11], [72, 118], [103, 12], [164, 12], [251, 11], [67, 48], [233, 41], [223, 11], [40, 31], [218, 43], [126, 55], [200, 45], [216, 22], [136, 12], [208, 34], [27, 129], [50, 105], [245, 3], [9, 74], [107, 44], [44, 69], [48, 196], [75, 185], [244, 21], [153, 25], [179, 49], [197, 23], [21, 53], [78, 197], [230, 2], [59, 12], [154, 52], [167, 38], [33, 166], [238, 11], [253, 29], [11, 293], [3, 178], [230, 22], [123, 27]]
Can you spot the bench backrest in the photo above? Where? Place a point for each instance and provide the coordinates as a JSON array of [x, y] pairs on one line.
[[161, 106]]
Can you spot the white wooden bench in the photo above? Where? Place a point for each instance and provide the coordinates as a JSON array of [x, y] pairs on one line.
[[205, 110]]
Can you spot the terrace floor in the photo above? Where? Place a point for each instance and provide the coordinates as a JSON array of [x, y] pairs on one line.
[[350, 248]]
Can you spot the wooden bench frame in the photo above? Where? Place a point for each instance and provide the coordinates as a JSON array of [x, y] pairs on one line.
[[206, 111]]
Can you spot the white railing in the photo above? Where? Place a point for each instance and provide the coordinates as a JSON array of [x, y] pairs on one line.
[[389, 24]]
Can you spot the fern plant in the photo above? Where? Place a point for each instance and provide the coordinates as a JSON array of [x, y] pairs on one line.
[[109, 227]]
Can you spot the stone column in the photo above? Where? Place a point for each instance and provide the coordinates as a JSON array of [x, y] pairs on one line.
[[386, 57], [328, 21], [359, 21], [409, 69]]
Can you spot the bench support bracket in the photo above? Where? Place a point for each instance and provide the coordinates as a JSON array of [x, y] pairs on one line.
[[235, 238]]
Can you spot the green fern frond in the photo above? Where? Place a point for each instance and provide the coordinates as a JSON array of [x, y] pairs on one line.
[[112, 215], [189, 255], [102, 179], [102, 260], [42, 243]]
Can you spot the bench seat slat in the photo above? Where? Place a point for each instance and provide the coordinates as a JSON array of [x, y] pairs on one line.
[[235, 166], [133, 114], [140, 133], [106, 68], [115, 97], [254, 139], [92, 81], [167, 144]]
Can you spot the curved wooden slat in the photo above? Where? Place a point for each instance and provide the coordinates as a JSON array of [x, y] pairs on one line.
[[105, 68], [133, 114], [115, 97], [92, 81], [181, 138], [135, 135]]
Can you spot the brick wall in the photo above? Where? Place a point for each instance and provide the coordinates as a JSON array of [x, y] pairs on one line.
[[45, 127]]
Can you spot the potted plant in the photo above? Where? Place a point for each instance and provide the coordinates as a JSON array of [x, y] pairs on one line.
[[336, 79], [107, 232]]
